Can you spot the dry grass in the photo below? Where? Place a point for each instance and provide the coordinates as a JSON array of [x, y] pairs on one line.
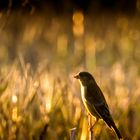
[[43, 105], [39, 98]]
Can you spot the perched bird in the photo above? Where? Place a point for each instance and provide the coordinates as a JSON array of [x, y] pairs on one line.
[[94, 100]]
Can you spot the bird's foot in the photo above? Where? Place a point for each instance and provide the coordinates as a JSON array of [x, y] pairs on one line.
[[90, 128], [92, 125]]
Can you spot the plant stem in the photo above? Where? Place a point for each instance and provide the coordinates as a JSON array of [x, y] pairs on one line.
[[73, 133], [90, 127]]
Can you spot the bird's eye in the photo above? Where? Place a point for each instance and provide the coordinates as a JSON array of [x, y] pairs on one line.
[[81, 74]]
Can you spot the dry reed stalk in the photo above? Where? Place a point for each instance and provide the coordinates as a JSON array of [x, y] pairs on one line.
[[90, 127], [73, 133]]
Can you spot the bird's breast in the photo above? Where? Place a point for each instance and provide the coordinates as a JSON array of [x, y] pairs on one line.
[[88, 103], [83, 92]]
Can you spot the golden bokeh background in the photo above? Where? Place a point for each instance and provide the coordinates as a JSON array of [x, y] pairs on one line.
[[39, 55]]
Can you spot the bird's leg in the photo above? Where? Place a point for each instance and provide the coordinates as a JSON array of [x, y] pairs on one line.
[[96, 120], [90, 122]]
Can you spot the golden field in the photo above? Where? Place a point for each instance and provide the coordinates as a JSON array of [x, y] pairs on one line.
[[40, 99]]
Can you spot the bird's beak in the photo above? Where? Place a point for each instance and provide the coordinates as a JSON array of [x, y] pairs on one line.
[[77, 76]]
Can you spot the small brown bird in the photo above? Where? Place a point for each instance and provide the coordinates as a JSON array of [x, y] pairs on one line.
[[94, 100]]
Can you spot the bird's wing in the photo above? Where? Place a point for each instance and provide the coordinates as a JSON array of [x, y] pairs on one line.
[[97, 101], [101, 108], [104, 113]]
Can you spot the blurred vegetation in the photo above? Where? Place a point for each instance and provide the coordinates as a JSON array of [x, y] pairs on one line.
[[39, 55]]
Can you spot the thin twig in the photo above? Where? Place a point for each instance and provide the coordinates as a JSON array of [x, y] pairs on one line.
[[73, 133]]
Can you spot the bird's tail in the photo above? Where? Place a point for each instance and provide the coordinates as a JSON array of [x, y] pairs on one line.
[[117, 131]]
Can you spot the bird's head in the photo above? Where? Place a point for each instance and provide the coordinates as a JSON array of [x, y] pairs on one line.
[[84, 77]]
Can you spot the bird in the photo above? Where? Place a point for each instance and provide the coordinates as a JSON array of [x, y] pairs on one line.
[[94, 100]]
